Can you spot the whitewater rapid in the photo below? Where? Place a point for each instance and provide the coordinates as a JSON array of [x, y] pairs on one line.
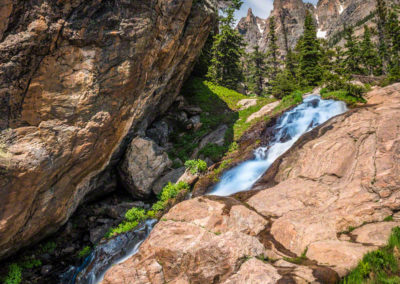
[[290, 127]]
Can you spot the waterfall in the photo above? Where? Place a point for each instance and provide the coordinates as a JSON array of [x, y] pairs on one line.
[[289, 128]]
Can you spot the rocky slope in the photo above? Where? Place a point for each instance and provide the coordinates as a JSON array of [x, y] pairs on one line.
[[330, 17], [343, 174], [79, 79]]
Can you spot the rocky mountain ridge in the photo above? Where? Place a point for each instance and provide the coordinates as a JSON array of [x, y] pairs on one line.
[[330, 16]]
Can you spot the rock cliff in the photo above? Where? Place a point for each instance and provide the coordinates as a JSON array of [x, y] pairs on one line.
[[330, 17], [343, 174], [78, 80]]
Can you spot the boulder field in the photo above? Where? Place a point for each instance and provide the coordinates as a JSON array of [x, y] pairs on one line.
[[311, 218], [78, 81]]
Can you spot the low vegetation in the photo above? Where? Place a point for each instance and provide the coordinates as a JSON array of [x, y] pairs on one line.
[[14, 274], [380, 266], [84, 252], [196, 166], [136, 215], [219, 106]]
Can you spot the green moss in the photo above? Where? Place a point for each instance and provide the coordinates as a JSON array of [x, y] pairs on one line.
[[14, 275], [196, 166], [388, 218], [380, 266]]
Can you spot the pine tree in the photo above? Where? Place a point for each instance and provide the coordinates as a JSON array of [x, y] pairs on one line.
[[273, 50], [393, 32], [381, 10], [257, 69], [352, 53], [227, 50], [369, 55], [310, 71]]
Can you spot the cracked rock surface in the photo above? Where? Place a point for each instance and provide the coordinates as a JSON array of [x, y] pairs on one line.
[[78, 80], [344, 174]]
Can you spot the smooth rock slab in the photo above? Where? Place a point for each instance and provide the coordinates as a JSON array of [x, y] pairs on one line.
[[376, 234], [341, 256]]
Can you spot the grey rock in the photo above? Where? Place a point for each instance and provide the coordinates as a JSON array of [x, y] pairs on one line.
[[143, 164], [46, 269], [170, 176], [98, 233]]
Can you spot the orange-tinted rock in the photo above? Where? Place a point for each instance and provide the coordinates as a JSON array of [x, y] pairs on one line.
[[78, 80]]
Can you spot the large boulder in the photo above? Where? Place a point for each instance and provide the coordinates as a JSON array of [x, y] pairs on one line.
[[78, 80], [143, 163]]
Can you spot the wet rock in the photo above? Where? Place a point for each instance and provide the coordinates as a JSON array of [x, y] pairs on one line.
[[98, 233], [143, 164]]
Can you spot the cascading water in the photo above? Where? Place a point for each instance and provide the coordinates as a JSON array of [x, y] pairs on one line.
[[290, 127], [106, 254]]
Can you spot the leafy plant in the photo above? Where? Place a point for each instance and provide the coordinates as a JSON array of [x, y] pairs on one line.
[[135, 214], [196, 166], [14, 274]]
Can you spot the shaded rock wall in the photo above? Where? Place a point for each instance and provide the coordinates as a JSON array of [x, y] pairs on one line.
[[78, 79]]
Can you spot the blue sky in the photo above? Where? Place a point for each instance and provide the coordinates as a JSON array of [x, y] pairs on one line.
[[261, 8]]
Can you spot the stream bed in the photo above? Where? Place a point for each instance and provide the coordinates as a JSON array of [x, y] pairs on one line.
[[289, 128]]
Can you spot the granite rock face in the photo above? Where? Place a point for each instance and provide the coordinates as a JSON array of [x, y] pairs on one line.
[[342, 174], [143, 163], [78, 80], [329, 15]]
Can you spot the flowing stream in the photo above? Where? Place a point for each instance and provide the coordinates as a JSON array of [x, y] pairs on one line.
[[289, 128]]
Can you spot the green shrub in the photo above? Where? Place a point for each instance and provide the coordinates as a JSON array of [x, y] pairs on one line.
[[293, 99], [233, 147], [48, 247], [30, 263], [135, 214], [14, 275], [122, 228], [151, 214], [196, 166], [171, 190], [213, 151]]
